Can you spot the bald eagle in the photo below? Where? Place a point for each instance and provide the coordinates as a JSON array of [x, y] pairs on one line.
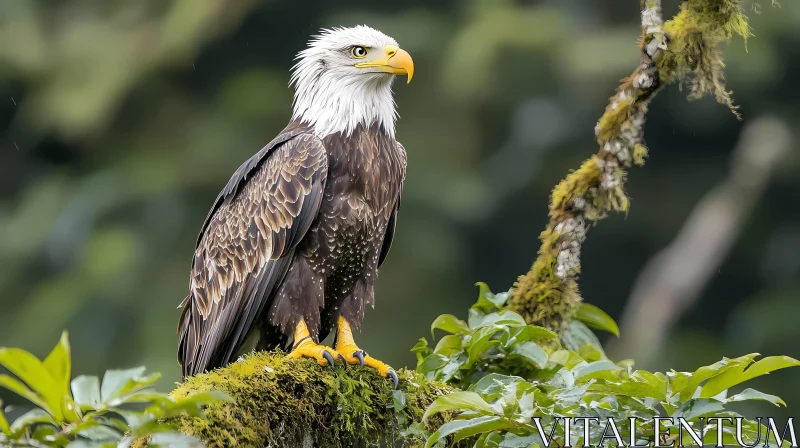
[[292, 244]]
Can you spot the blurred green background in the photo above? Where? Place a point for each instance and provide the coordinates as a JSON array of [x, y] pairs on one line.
[[121, 120]]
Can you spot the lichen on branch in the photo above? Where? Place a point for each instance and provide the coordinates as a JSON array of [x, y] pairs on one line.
[[683, 49], [275, 401]]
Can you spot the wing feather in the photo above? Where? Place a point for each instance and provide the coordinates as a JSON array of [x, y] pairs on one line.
[[390, 227], [246, 246]]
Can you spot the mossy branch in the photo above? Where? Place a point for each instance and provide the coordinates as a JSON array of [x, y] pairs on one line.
[[276, 401], [683, 49]]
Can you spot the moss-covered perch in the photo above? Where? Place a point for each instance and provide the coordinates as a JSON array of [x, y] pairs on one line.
[[277, 401]]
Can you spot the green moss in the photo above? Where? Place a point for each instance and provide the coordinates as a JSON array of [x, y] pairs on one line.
[[639, 154], [539, 296], [277, 401], [574, 185], [692, 56], [613, 118]]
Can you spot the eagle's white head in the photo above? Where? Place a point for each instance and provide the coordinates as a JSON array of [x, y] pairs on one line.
[[345, 77]]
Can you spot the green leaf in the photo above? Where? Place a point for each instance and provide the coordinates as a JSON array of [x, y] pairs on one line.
[[398, 400], [675, 381], [459, 401], [133, 419], [630, 389], [512, 440], [752, 394], [531, 352], [4, 428], [656, 381], [475, 317], [525, 405], [482, 341], [146, 396], [706, 372], [533, 332], [117, 383], [566, 358], [493, 385], [432, 363], [450, 324], [22, 390], [50, 434], [467, 428], [451, 368], [449, 345], [697, 407], [82, 443], [504, 317], [571, 395], [488, 301], [585, 369], [590, 353], [58, 364], [115, 380], [733, 377], [563, 378], [112, 420], [86, 391], [174, 440], [30, 370], [626, 363], [421, 350], [596, 318], [577, 334], [29, 418], [489, 440], [490, 424], [100, 433]]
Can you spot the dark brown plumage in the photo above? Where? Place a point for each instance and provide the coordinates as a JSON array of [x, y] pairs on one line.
[[298, 233]]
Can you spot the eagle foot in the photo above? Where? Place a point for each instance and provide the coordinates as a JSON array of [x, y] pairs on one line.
[[305, 347], [346, 346], [354, 355], [310, 349]]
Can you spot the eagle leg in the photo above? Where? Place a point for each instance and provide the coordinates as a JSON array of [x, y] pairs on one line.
[[305, 347], [346, 345]]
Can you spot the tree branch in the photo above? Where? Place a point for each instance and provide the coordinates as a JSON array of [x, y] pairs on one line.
[[682, 49]]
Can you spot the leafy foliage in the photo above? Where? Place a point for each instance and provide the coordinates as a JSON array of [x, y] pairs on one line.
[[492, 340], [518, 387], [596, 318], [88, 412]]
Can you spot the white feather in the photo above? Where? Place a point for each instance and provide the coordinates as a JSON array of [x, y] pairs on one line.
[[331, 94]]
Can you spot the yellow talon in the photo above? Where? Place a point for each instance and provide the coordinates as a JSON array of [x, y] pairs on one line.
[[352, 354], [305, 347], [346, 346]]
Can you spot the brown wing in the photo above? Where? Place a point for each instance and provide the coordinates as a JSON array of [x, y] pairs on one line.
[[389, 235], [246, 246]]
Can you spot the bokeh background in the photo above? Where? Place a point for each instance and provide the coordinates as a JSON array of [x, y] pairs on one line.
[[121, 120]]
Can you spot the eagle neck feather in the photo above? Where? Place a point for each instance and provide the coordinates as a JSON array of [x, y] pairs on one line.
[[331, 102]]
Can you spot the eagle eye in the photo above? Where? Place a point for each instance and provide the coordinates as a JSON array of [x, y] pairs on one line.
[[358, 52]]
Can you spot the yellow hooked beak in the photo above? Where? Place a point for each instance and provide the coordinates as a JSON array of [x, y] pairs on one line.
[[397, 62]]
